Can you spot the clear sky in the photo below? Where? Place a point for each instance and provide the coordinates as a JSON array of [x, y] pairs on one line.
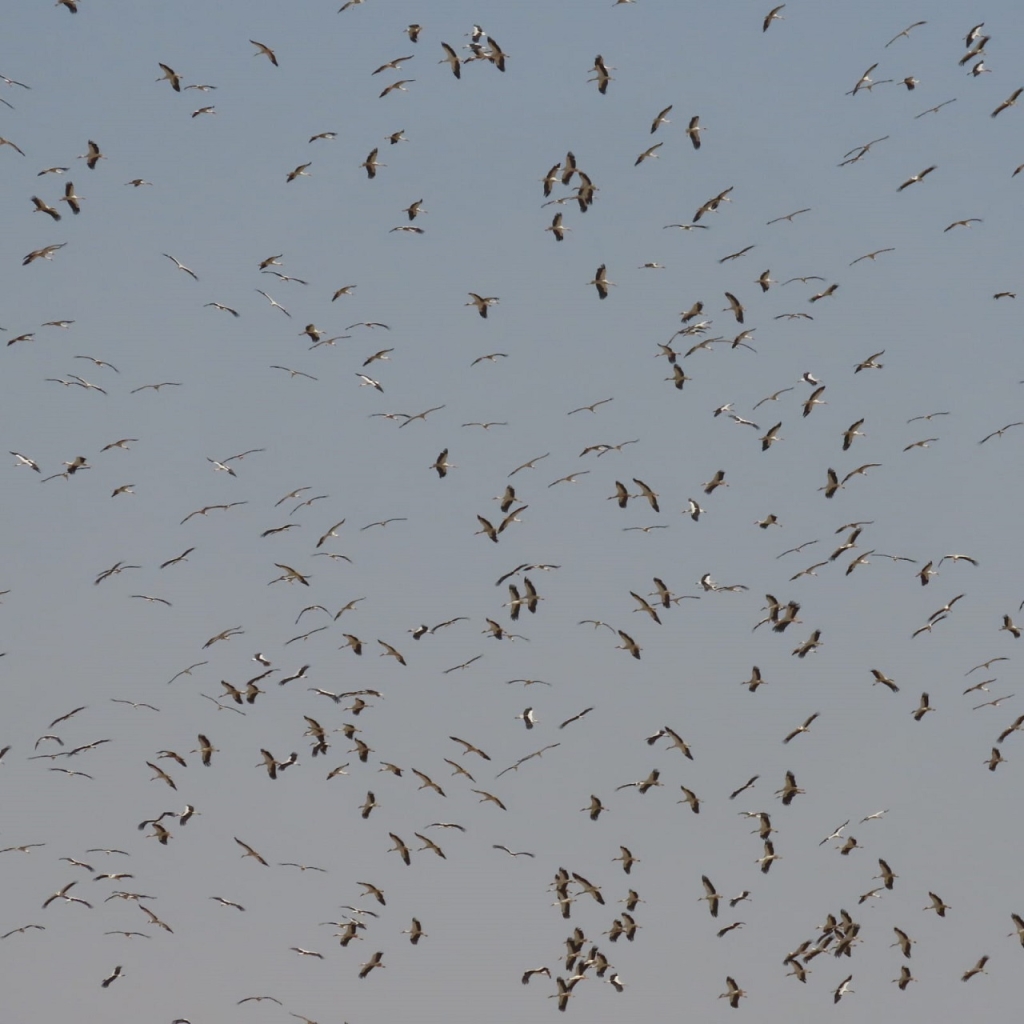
[[786, 123]]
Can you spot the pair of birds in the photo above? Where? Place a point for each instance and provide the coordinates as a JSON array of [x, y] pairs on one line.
[[69, 197]]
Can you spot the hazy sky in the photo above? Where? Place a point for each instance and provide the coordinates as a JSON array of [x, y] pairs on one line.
[[777, 121]]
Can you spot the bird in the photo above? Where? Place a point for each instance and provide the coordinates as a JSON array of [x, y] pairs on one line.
[[735, 307], [226, 309], [441, 464], [391, 65], [371, 163], [24, 460], [978, 968], [772, 15], [399, 86], [601, 283], [905, 33], [250, 852], [718, 480], [400, 848], [482, 303], [815, 399], [41, 207], [920, 176], [790, 790], [1010, 101], [661, 118], [647, 154], [181, 266], [771, 436], [265, 51], [112, 977], [693, 130], [832, 484], [711, 895], [1016, 726], [842, 989], [369, 382], [922, 709], [451, 58], [851, 432], [62, 894], [602, 76], [557, 228], [733, 993], [1001, 431], [92, 156], [880, 677], [373, 963], [801, 728], [46, 253], [486, 797], [827, 293]]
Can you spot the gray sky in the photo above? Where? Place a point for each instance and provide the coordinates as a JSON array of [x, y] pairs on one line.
[[778, 122]]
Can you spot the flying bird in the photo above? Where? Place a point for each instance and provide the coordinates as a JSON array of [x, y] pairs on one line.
[[265, 51], [920, 176], [601, 283], [1010, 101]]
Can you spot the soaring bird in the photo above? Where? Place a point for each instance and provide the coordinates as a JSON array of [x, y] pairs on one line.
[[801, 728], [371, 163], [693, 130], [601, 283], [905, 33], [790, 790], [647, 154], [711, 895], [904, 941], [400, 848], [628, 644], [92, 156], [1010, 101], [170, 75], [266, 51], [371, 964], [451, 58], [772, 15], [441, 464], [771, 437], [602, 77], [181, 266], [250, 852], [399, 85], [920, 176], [482, 302], [114, 975], [46, 253], [42, 207], [733, 993], [661, 118], [557, 228], [734, 306], [842, 989], [978, 968]]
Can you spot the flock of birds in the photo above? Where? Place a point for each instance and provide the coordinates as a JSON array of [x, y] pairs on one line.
[[263, 728]]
